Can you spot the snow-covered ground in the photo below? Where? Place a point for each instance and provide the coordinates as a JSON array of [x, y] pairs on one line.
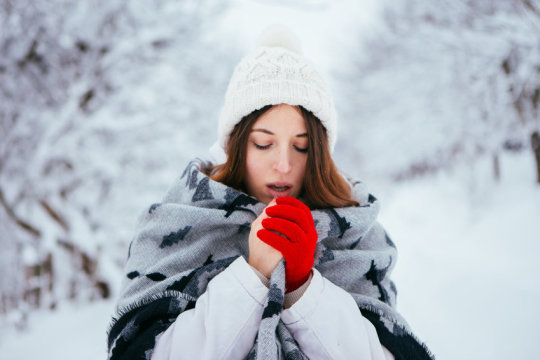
[[468, 264], [466, 274], [70, 332]]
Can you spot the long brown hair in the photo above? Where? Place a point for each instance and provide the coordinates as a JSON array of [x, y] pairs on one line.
[[323, 187]]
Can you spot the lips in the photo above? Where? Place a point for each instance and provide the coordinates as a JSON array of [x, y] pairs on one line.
[[278, 189]]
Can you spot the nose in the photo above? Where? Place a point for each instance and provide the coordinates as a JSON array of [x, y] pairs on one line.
[[283, 162]]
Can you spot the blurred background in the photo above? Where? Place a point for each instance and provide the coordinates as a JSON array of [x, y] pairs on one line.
[[103, 103]]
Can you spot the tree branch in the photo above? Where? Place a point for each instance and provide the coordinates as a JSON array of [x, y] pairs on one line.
[[54, 214], [531, 7], [20, 222]]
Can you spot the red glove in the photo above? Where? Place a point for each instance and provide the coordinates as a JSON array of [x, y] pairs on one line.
[[296, 240]]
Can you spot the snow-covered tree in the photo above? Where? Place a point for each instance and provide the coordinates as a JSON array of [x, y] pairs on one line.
[[444, 82], [95, 102]]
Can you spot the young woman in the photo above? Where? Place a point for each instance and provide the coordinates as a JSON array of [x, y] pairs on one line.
[[270, 254]]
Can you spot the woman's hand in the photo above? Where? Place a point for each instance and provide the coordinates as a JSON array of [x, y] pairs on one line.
[[262, 257], [290, 229]]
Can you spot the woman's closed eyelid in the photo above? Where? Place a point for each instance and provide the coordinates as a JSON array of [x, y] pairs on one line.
[[262, 147]]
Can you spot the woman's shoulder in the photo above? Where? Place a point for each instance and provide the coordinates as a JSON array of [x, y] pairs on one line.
[[193, 189], [361, 192]]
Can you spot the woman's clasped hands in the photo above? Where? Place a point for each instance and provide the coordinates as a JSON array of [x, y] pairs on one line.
[[287, 226]]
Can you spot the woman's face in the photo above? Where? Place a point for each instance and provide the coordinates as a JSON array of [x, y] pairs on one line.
[[276, 154]]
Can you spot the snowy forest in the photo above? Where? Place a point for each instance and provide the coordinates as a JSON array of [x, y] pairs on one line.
[[103, 103]]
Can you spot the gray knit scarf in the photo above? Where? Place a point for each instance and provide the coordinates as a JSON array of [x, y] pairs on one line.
[[201, 226]]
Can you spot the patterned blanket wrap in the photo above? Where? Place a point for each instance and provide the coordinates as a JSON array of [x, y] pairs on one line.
[[202, 226]]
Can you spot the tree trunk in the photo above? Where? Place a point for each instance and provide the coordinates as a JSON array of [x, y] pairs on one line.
[[496, 167], [535, 144]]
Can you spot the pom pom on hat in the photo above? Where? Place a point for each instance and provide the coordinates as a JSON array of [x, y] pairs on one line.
[[279, 36], [276, 73]]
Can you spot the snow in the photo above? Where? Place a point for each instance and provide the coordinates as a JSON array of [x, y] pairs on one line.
[[74, 331], [468, 264]]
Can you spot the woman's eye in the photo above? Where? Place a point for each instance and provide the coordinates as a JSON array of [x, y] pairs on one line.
[[302, 150], [261, 147]]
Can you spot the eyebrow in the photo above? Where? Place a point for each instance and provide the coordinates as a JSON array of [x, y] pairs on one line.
[[271, 133]]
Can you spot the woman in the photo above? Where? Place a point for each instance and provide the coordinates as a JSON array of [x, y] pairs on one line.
[[271, 254]]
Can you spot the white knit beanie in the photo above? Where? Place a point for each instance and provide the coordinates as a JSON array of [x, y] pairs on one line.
[[276, 73]]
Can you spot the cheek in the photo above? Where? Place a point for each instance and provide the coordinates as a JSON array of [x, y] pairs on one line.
[[301, 171], [253, 168]]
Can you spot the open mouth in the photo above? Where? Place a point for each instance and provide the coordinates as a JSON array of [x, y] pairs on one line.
[[282, 188], [279, 188]]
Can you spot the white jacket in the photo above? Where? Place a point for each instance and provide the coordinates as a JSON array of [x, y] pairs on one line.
[[325, 321]]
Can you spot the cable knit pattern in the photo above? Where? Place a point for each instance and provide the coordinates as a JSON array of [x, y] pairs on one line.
[[272, 76]]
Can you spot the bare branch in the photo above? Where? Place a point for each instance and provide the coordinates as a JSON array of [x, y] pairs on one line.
[[20, 222], [54, 214], [532, 7], [531, 12]]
